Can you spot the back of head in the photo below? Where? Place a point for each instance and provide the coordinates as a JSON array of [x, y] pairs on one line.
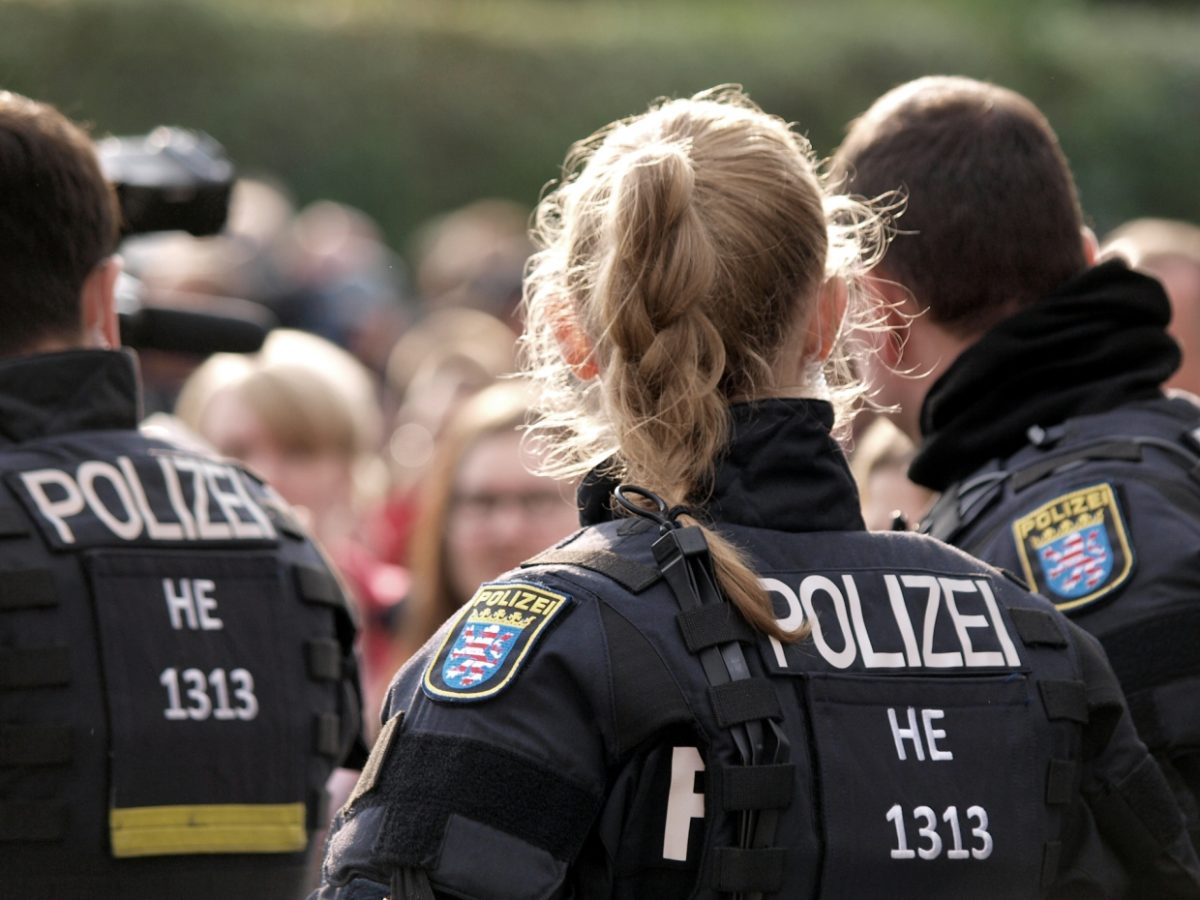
[[681, 244], [991, 217], [680, 260], [58, 220], [311, 395]]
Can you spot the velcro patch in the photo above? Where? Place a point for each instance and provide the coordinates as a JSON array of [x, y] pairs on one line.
[[493, 636], [1075, 549]]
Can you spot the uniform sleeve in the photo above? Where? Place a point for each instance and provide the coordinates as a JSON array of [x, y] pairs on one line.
[[491, 767], [1133, 830]]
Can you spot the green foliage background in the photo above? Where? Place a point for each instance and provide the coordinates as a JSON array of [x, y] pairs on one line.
[[407, 109]]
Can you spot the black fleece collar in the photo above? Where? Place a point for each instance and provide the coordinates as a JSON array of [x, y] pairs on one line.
[[58, 393], [782, 470], [1096, 343]]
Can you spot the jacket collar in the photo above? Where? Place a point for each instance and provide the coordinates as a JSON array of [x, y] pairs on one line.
[[49, 394], [782, 470]]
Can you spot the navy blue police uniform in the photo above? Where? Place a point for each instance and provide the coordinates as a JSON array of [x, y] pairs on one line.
[[1085, 480], [177, 678], [600, 724]]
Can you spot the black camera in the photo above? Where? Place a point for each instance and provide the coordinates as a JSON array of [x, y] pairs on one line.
[[171, 179], [177, 180]]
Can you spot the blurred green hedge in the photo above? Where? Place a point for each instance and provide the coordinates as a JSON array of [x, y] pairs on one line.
[[407, 109]]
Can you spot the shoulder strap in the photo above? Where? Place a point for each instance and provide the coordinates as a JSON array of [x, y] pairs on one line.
[[633, 576], [746, 705], [962, 502]]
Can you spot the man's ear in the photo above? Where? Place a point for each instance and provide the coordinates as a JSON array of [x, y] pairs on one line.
[[826, 319], [1091, 246], [99, 304], [575, 347]]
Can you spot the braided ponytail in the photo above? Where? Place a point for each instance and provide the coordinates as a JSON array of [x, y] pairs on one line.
[[682, 243], [667, 356]]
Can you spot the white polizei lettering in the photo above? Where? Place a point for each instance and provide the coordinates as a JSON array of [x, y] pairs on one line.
[[840, 659], [870, 658], [207, 529], [229, 500], [1006, 643], [933, 659], [793, 620], [683, 803], [911, 733], [56, 512], [933, 735], [847, 604], [175, 495], [903, 622], [973, 657], [159, 531], [266, 529], [128, 528], [180, 605]]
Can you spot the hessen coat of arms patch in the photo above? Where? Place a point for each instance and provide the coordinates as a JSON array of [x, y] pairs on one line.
[[491, 638], [1075, 549]]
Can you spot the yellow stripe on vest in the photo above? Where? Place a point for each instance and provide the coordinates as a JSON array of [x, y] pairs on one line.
[[214, 828]]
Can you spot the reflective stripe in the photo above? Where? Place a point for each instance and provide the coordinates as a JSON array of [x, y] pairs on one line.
[[213, 828]]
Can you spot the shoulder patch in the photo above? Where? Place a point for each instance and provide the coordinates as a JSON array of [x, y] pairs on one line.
[[493, 636], [1075, 549]]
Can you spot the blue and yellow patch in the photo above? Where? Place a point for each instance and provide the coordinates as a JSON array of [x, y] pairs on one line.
[[493, 636], [1075, 549]]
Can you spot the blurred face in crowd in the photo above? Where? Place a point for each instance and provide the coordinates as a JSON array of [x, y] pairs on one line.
[[501, 514], [315, 481], [1181, 280]]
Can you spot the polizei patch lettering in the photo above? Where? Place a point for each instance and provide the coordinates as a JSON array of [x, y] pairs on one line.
[[492, 638], [1075, 549]]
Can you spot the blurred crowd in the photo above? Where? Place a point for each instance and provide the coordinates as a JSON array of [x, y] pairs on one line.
[[384, 404]]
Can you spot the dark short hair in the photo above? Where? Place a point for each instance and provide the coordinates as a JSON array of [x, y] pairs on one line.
[[991, 219], [58, 220]]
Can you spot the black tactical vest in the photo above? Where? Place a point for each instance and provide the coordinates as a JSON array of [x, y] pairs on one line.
[[600, 723], [1101, 514], [939, 725], [176, 680]]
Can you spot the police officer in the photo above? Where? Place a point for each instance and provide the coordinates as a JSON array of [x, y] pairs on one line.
[[1032, 378], [176, 676], [724, 685]]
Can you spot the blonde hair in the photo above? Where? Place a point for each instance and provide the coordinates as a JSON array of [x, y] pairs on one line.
[[310, 394], [680, 242]]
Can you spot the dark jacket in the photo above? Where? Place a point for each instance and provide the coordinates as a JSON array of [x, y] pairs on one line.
[[1084, 481], [942, 733], [176, 672]]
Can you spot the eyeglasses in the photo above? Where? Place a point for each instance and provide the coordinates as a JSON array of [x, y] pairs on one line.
[[487, 504]]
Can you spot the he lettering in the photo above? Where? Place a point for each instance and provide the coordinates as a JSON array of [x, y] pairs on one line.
[[119, 495], [912, 733], [843, 634], [190, 604]]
